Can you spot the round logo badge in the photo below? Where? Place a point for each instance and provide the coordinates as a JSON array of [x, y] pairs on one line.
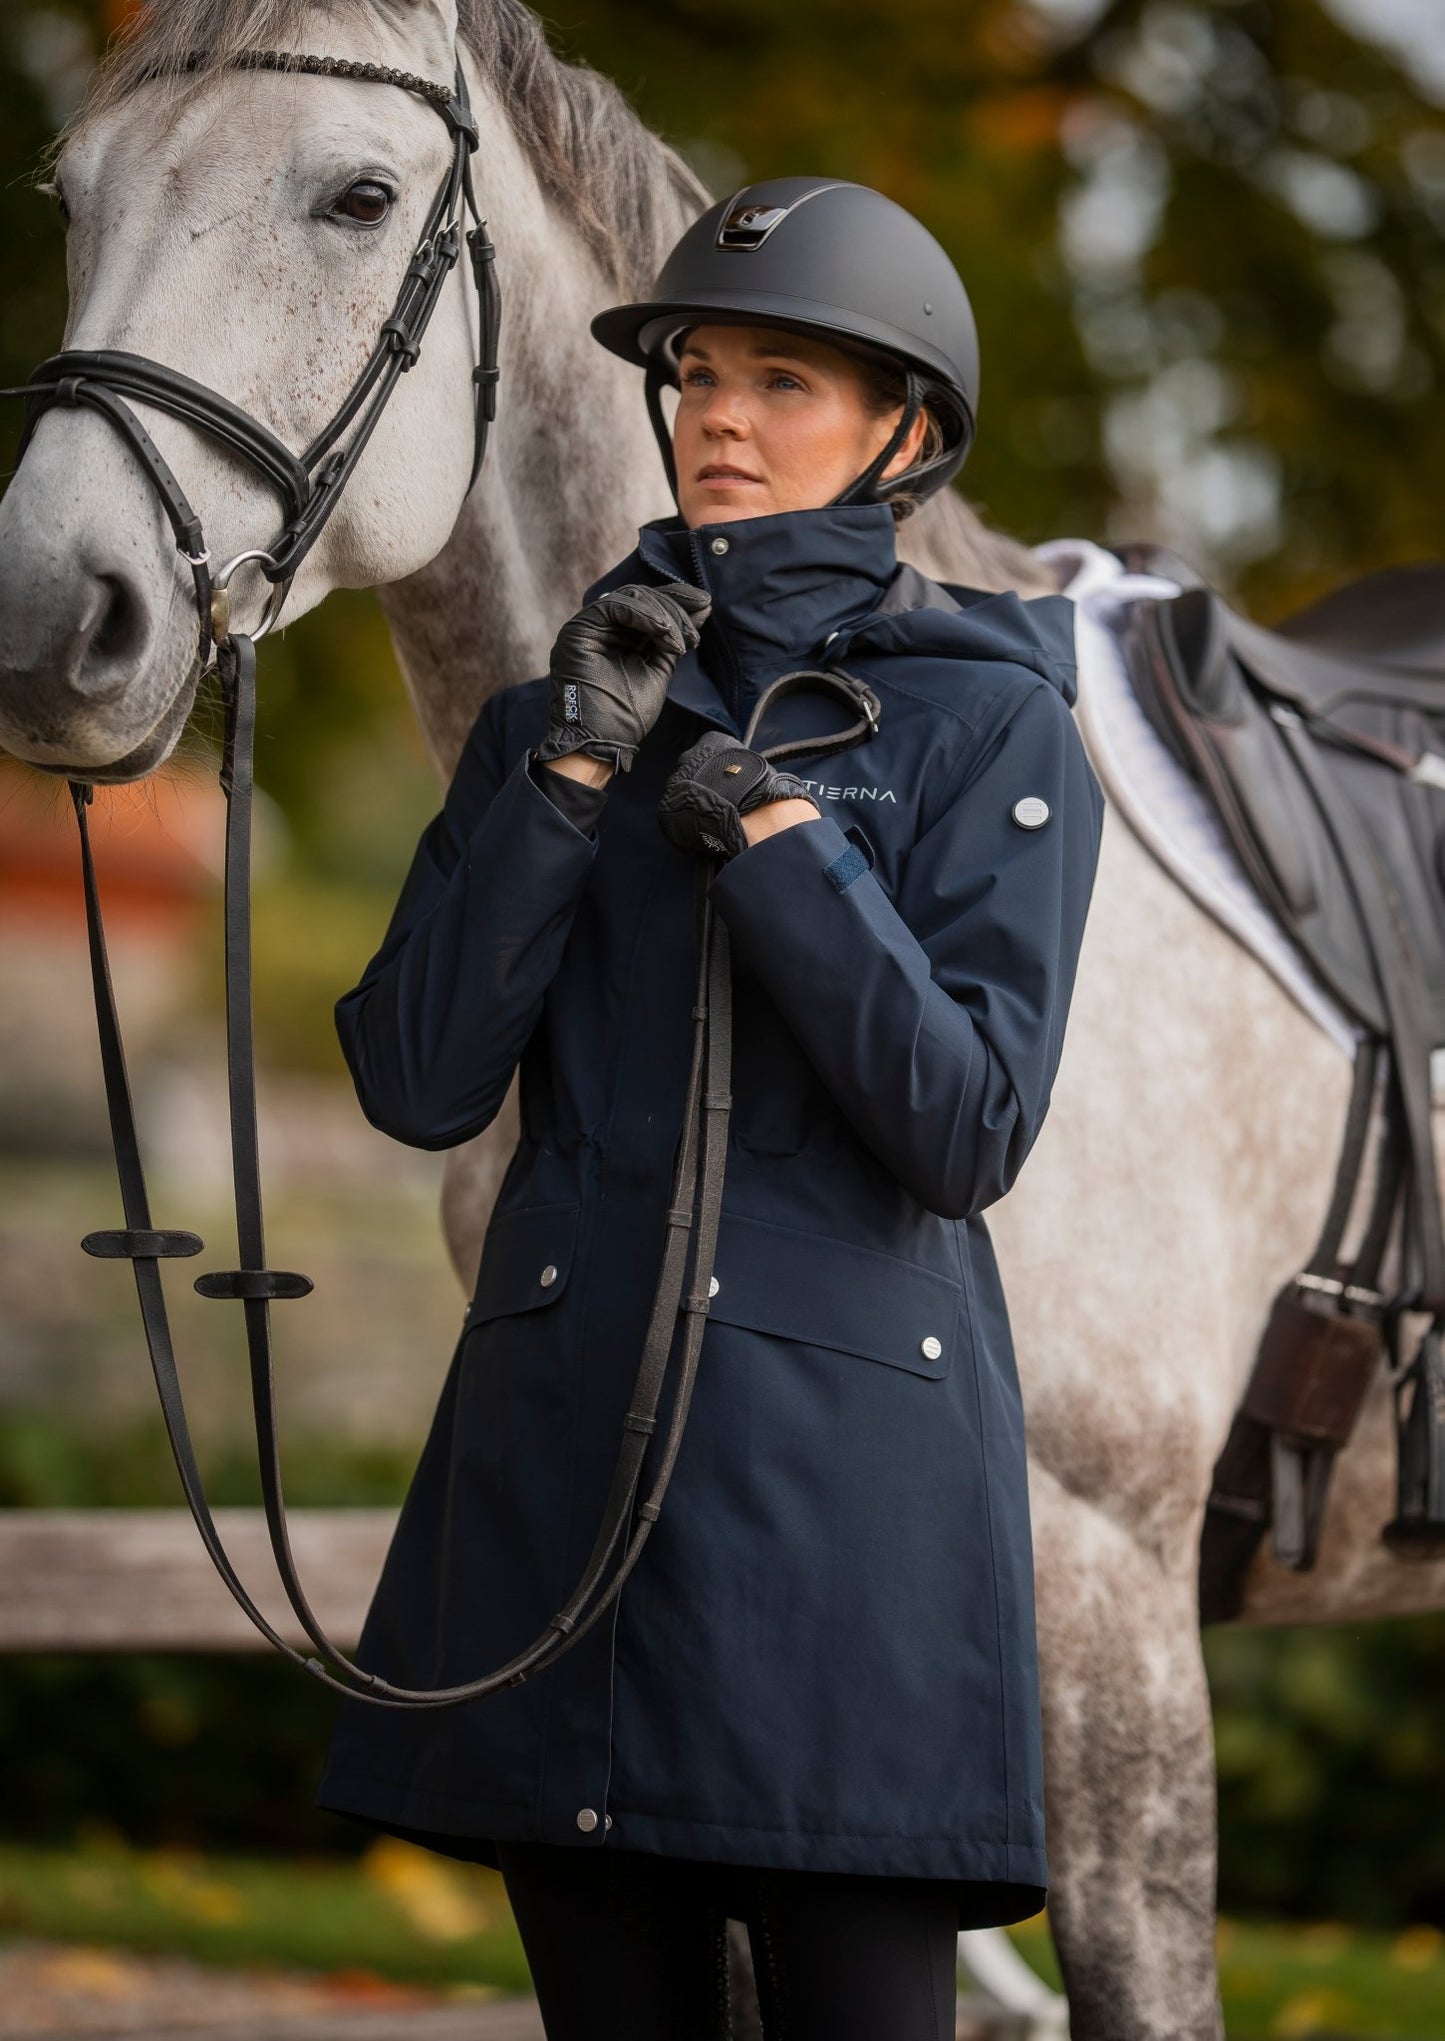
[[1032, 812]]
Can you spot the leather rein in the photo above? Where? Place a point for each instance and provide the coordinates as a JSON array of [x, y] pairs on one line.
[[310, 486]]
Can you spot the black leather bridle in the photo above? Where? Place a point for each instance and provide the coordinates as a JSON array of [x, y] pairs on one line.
[[310, 486]]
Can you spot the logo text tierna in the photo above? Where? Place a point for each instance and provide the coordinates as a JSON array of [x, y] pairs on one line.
[[850, 793]]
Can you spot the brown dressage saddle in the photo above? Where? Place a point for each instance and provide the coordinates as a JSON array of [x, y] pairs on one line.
[[1320, 744]]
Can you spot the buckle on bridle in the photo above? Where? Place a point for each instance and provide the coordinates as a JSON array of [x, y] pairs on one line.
[[1331, 1286]]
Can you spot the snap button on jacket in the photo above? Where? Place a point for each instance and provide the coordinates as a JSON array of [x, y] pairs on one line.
[[825, 1657]]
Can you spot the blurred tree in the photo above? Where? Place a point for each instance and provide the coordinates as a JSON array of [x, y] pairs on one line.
[[1330, 1760], [1203, 243]]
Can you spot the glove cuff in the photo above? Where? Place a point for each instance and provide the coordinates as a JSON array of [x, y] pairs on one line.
[[562, 744], [781, 786]]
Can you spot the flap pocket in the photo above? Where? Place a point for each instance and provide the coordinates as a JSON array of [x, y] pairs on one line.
[[526, 1259], [836, 1293]]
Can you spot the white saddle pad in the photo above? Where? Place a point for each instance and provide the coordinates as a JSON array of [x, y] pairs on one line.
[[1140, 775]]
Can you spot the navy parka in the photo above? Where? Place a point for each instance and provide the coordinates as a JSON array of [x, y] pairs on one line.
[[825, 1657]]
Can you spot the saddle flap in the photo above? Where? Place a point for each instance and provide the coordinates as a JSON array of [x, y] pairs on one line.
[[1195, 694]]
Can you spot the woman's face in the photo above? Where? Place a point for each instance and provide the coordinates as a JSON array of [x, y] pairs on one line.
[[769, 420]]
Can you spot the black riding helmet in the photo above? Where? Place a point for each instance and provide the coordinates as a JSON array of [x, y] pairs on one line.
[[834, 260]]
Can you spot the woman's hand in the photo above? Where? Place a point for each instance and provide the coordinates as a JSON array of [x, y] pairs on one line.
[[611, 666], [718, 782]]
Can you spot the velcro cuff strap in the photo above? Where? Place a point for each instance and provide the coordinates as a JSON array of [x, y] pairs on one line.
[[253, 1283], [118, 1242], [846, 867]]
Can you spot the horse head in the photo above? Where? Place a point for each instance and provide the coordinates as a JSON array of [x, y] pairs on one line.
[[249, 229]]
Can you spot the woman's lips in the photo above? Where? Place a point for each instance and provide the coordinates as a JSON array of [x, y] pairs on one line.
[[721, 477]]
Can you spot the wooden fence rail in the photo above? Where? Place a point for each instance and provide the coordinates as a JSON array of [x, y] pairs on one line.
[[141, 1580]]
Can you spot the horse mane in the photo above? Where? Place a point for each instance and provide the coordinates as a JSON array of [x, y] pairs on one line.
[[623, 187]]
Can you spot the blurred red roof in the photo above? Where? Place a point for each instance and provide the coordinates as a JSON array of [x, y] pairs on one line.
[[157, 845]]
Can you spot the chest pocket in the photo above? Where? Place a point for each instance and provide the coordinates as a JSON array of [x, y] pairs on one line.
[[835, 1293]]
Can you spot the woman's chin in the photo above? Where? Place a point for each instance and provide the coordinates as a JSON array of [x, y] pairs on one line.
[[722, 505]]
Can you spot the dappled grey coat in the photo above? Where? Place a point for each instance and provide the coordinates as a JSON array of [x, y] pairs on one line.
[[825, 1657]]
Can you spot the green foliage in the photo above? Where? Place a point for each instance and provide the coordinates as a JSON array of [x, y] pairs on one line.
[[1331, 1765], [397, 1914], [1315, 1982], [1203, 244], [181, 1752], [47, 1461]]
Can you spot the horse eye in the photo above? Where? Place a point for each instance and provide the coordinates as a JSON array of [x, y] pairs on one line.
[[53, 191], [367, 202]]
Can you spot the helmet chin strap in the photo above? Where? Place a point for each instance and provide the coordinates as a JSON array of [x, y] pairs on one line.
[[657, 381], [860, 490]]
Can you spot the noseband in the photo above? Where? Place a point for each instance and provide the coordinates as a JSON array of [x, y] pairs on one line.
[[310, 486]]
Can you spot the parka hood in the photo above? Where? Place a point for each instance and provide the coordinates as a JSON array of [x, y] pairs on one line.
[[943, 620]]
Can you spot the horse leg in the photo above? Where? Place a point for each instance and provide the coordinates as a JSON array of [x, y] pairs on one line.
[[1129, 1765]]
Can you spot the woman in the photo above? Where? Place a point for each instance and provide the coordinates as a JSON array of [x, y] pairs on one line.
[[814, 1704]]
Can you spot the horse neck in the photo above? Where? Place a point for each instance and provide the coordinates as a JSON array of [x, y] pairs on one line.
[[571, 471]]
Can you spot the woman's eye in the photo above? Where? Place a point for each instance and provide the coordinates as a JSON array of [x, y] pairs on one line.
[[366, 202], [784, 380]]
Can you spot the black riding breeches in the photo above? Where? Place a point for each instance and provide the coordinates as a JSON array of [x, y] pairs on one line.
[[628, 1946]]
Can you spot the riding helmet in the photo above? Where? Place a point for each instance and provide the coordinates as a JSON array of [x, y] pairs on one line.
[[835, 260]]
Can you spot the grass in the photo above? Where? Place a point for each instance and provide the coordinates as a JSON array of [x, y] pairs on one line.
[[403, 1914], [396, 1912], [1323, 1982]]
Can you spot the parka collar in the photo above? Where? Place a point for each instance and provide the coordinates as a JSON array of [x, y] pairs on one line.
[[812, 587], [781, 586]]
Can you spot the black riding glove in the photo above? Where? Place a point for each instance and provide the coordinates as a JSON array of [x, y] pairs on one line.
[[610, 668], [713, 785]]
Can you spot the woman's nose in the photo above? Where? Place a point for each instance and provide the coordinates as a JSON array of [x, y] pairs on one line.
[[723, 413]]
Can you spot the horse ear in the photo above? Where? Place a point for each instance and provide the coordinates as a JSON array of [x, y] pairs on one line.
[[444, 11]]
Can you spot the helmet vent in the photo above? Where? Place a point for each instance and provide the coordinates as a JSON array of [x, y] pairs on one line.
[[748, 222], [748, 226]]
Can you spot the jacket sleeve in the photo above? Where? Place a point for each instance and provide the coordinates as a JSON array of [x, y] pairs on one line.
[[442, 1013], [938, 1023]]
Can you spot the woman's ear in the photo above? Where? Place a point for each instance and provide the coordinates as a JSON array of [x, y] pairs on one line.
[[912, 446]]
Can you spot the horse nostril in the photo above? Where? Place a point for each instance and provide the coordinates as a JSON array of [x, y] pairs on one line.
[[119, 636]]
